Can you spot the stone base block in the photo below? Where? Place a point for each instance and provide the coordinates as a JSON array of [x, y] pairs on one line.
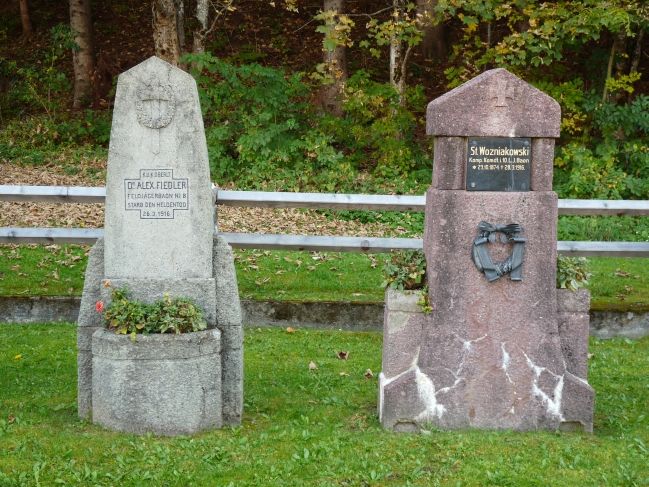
[[164, 384]]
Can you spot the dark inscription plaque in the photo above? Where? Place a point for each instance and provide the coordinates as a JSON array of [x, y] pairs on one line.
[[498, 164]]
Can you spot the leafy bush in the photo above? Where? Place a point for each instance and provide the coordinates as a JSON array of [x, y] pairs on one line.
[[177, 315], [612, 165], [572, 272], [378, 133], [260, 130], [405, 270]]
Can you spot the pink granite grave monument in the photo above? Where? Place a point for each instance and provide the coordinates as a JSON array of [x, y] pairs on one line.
[[489, 355]]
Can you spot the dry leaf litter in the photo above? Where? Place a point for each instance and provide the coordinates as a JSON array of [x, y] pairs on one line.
[[231, 219]]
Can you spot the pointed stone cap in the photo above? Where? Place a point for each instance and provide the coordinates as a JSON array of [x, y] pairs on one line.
[[494, 104]]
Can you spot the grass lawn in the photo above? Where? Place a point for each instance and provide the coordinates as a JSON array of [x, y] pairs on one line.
[[307, 427], [55, 270]]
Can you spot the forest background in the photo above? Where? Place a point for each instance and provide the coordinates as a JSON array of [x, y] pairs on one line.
[[331, 96]]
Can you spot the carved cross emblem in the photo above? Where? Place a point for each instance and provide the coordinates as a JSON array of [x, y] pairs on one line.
[[501, 91], [155, 105]]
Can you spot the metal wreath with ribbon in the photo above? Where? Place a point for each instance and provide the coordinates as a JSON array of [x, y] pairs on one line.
[[482, 258]]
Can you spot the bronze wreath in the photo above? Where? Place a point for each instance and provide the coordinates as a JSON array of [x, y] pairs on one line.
[[482, 258]]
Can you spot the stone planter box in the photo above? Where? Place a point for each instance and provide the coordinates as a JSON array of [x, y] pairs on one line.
[[165, 384]]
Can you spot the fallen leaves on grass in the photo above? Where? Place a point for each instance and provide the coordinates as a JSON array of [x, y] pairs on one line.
[[368, 374], [620, 273], [290, 329], [313, 366], [342, 355], [15, 268], [343, 374], [628, 288]]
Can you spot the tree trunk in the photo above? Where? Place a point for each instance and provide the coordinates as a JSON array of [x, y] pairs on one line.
[[335, 65], [433, 44], [26, 19], [399, 53], [165, 30], [637, 51], [83, 59], [202, 12], [621, 64], [180, 21]]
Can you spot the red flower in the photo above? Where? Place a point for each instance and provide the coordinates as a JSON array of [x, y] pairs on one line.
[[99, 306]]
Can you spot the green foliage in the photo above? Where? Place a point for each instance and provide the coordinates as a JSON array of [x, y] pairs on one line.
[[168, 315], [259, 128], [402, 26], [378, 133], [33, 112], [572, 272], [616, 164], [424, 301], [405, 270]]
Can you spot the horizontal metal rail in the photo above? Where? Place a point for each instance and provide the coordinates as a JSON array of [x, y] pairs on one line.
[[53, 194], [313, 243], [263, 199]]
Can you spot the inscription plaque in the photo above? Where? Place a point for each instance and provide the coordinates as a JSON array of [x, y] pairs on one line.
[[156, 194], [498, 164]]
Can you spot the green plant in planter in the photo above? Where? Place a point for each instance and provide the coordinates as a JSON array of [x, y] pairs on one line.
[[168, 315], [406, 271], [572, 272]]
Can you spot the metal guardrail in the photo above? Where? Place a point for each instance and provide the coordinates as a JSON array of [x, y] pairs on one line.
[[315, 243], [71, 194], [263, 199]]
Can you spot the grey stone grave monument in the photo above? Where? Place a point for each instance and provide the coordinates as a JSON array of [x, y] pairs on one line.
[[501, 349], [160, 238]]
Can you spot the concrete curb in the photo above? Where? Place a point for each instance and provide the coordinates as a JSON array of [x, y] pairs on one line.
[[322, 314]]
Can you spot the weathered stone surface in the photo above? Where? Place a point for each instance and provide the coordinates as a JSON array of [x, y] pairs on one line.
[[88, 315], [158, 156], [573, 330], [405, 301], [84, 337], [542, 164], [494, 104], [158, 383], [574, 327], [496, 343], [228, 312], [159, 241], [84, 383], [402, 331], [449, 163], [89, 321], [624, 324], [577, 404], [228, 319], [573, 302], [46, 309]]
